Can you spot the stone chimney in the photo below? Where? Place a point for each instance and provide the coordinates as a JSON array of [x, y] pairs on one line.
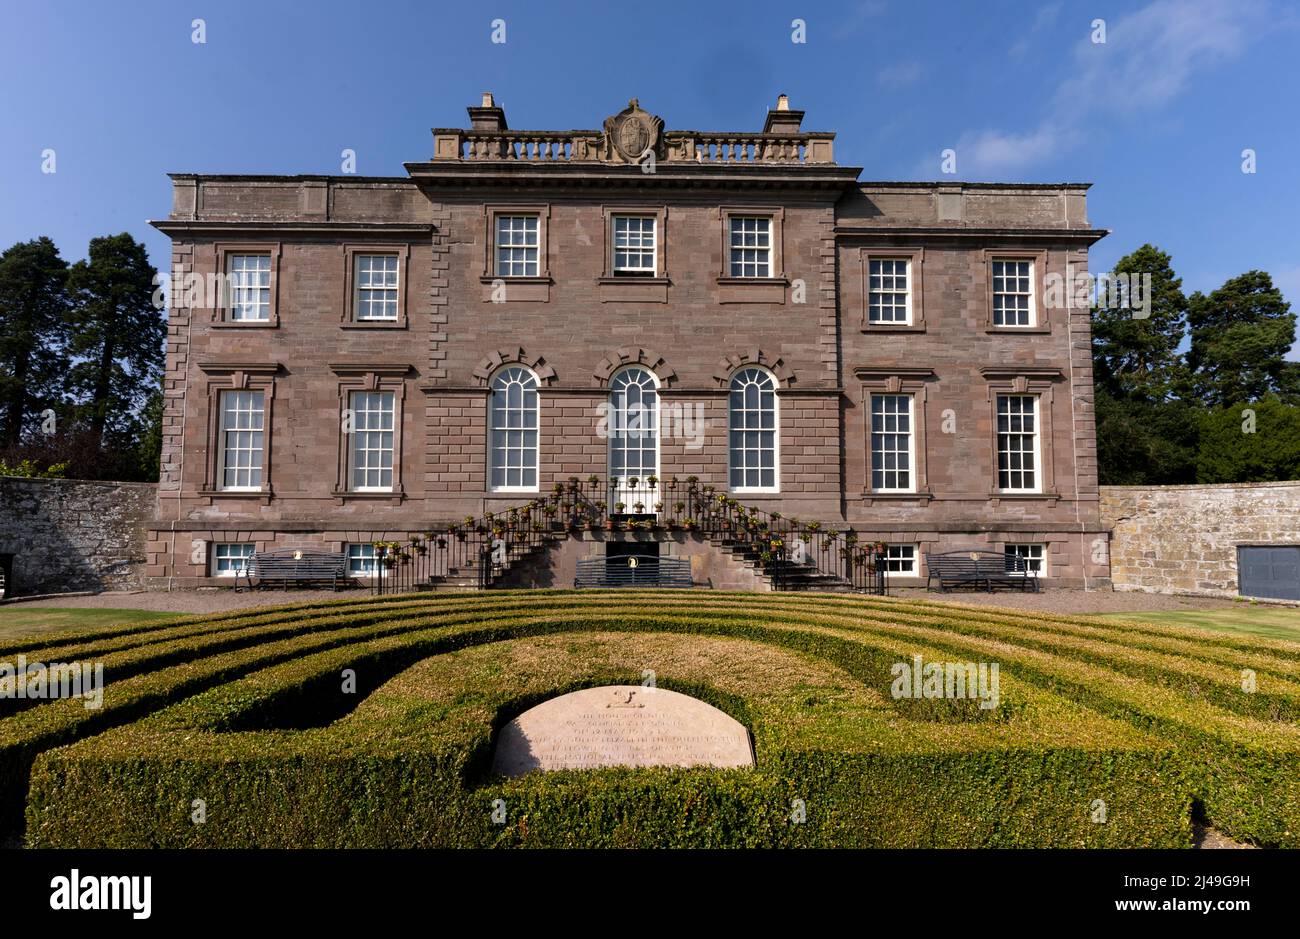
[[781, 120], [487, 116]]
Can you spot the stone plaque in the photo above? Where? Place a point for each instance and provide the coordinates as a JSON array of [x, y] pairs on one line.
[[621, 725]]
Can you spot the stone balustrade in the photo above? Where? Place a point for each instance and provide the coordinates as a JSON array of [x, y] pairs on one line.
[[580, 146]]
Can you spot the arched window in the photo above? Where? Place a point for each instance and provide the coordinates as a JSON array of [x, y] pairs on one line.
[[512, 430], [633, 429], [753, 428]]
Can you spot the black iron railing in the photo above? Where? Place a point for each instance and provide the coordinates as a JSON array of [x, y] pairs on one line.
[[476, 551]]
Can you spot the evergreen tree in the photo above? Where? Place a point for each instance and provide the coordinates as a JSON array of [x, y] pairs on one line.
[[117, 339], [33, 334], [1137, 357], [1249, 442], [1241, 334]]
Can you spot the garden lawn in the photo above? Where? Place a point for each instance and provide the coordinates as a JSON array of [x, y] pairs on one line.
[[1253, 619], [17, 621]]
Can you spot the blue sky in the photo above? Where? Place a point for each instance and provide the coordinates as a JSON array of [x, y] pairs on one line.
[[1156, 117]]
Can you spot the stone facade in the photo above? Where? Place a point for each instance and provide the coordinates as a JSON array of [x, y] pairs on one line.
[[576, 323], [60, 535], [1184, 539]]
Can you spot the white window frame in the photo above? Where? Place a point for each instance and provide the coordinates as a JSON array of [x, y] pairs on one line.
[[362, 559], [364, 439], [1031, 293], [643, 247], [532, 267], [222, 553], [641, 384], [521, 374], [366, 293], [1026, 549], [911, 441], [873, 291], [1036, 452], [763, 256], [237, 276], [775, 431], [914, 561], [254, 468]]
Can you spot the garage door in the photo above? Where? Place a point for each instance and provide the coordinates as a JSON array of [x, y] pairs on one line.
[[1272, 572]]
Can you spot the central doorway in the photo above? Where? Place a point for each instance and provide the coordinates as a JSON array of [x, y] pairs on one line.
[[633, 439]]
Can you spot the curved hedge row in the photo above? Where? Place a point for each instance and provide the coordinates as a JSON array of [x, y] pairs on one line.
[[246, 713]]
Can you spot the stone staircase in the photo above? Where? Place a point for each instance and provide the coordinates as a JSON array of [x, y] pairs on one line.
[[528, 564], [795, 578], [520, 559]]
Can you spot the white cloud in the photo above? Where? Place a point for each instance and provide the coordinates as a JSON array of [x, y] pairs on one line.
[[1149, 58], [900, 75], [1045, 18]]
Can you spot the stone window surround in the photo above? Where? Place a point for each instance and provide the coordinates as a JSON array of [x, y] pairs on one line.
[[660, 215], [1023, 380], [892, 380], [370, 376], [518, 289], [769, 289], [220, 312], [350, 252], [1042, 317], [237, 376], [915, 286]]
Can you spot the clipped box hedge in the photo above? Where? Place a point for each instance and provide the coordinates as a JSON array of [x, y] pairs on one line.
[[1144, 717], [409, 765]]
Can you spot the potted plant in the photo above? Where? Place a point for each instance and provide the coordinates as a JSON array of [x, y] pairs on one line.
[[619, 507], [652, 481], [633, 524], [593, 480], [881, 547], [679, 507], [691, 524], [638, 508], [442, 542]]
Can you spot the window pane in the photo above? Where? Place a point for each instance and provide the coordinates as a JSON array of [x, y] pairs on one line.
[[752, 434], [513, 429], [372, 439], [241, 440]]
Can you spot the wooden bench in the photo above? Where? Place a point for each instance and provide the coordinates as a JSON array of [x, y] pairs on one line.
[[978, 570], [295, 565]]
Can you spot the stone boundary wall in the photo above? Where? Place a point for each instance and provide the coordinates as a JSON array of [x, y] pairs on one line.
[[1183, 539], [70, 534]]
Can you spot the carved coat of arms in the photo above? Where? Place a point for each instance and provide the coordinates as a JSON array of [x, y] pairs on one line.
[[632, 132]]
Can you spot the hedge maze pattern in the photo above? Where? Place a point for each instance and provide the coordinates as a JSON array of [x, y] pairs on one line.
[[241, 730]]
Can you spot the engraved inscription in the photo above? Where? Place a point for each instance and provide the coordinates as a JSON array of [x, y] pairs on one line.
[[621, 726]]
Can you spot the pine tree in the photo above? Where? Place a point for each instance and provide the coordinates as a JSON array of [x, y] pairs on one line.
[[117, 339], [33, 335], [1241, 334]]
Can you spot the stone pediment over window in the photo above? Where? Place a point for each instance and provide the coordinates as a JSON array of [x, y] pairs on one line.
[[728, 365], [489, 364], [632, 356], [891, 378], [239, 373], [1019, 378]]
